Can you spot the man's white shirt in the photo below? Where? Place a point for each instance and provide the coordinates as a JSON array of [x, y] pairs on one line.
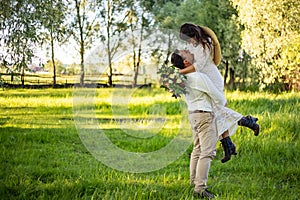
[[202, 93]]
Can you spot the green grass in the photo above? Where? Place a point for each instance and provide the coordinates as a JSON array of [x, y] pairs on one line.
[[43, 157]]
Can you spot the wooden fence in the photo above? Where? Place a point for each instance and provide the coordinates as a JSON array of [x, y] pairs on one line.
[[39, 80]]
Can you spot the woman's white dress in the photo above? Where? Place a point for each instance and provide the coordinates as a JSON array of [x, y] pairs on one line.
[[226, 119]]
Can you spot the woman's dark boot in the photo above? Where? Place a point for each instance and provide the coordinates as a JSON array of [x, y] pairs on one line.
[[232, 147], [250, 122], [229, 149]]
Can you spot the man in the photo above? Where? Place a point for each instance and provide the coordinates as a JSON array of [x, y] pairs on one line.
[[199, 98], [230, 118]]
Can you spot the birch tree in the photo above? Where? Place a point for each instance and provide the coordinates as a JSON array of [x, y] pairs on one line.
[[84, 27], [54, 27], [19, 26], [113, 17]]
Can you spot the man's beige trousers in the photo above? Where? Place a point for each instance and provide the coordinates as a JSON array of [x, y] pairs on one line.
[[204, 150]]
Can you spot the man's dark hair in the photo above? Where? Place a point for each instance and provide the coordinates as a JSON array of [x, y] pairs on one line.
[[177, 60]]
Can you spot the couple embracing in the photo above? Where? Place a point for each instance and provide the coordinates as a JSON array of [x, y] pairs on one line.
[[209, 117]]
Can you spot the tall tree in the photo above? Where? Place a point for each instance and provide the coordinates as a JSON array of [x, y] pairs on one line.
[[54, 28], [138, 22], [220, 16], [271, 38], [165, 15], [228, 30], [113, 18], [19, 26], [84, 27]]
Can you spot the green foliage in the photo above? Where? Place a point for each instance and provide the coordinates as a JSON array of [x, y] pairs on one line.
[[19, 26], [271, 31], [221, 17], [54, 27], [270, 35], [58, 64]]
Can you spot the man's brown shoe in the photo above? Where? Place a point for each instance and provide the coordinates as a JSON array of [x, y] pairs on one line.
[[204, 194]]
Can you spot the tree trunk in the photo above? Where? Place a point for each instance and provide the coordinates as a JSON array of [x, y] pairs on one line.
[[82, 63], [110, 84], [226, 71], [12, 76], [134, 57], [80, 25], [52, 58], [23, 75], [81, 57], [137, 66], [231, 81]]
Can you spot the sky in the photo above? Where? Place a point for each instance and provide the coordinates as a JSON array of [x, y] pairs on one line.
[[67, 54]]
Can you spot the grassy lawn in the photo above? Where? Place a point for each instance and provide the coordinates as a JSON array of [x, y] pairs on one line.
[[45, 153]]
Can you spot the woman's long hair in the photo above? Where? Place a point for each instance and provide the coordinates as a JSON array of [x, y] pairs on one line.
[[188, 31]]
